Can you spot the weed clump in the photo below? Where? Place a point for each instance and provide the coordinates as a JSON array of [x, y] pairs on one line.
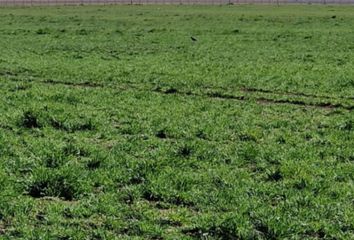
[[49, 184], [73, 125], [247, 137], [226, 229], [174, 199]]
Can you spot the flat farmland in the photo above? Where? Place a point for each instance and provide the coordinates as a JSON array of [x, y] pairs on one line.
[[177, 122], [162, 2]]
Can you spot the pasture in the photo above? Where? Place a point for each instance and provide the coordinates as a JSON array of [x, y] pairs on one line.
[[177, 122]]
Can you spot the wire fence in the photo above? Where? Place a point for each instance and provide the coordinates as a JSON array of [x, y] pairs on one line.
[[137, 2]]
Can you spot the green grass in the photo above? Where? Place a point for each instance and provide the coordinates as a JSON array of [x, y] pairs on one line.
[[114, 124]]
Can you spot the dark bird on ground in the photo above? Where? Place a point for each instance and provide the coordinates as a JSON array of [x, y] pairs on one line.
[[194, 39]]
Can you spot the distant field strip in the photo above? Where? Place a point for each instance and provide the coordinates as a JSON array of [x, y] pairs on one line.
[[138, 2]]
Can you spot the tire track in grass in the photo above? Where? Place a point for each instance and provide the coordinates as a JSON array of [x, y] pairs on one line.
[[86, 84], [91, 84], [326, 105], [288, 93], [212, 93], [261, 100]]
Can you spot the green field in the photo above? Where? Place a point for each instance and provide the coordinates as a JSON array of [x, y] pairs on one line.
[[115, 124]]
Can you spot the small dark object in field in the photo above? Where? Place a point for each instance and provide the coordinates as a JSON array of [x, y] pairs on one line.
[[334, 16], [171, 91], [128, 198], [93, 164], [67, 213], [185, 151], [137, 180], [53, 162], [264, 230], [247, 137], [30, 120], [161, 134], [37, 189], [307, 37], [348, 125], [42, 31], [275, 176], [235, 31], [201, 134], [41, 217], [118, 31], [300, 185], [169, 222], [150, 196], [281, 140], [82, 32], [194, 39]]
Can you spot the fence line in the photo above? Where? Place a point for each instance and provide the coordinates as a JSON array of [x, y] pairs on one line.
[[210, 2]]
